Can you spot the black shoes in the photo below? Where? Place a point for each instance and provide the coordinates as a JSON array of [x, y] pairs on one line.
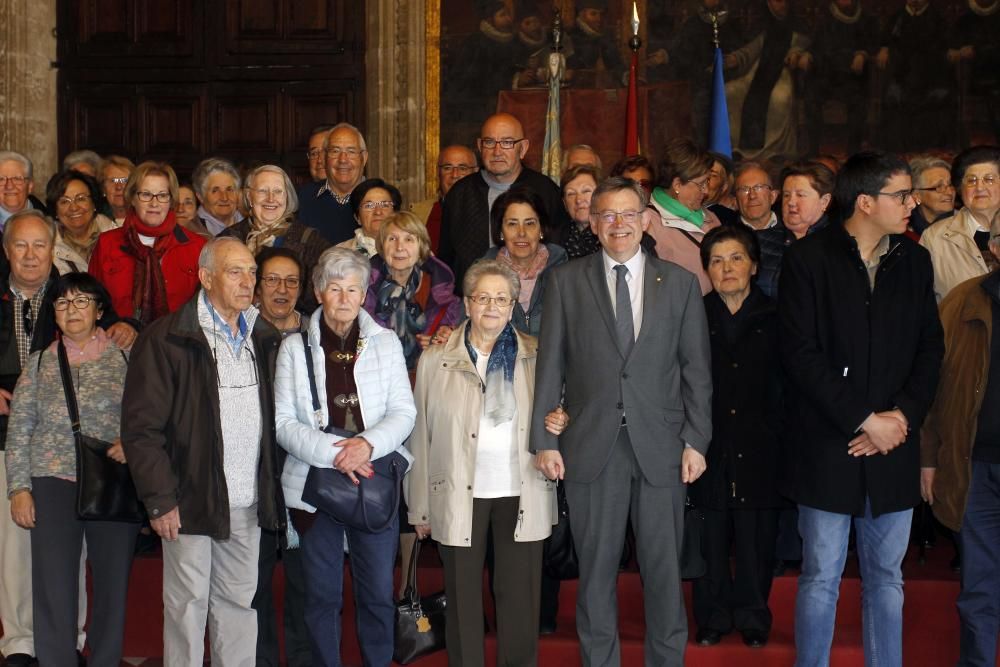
[[19, 660], [754, 638], [546, 628], [707, 637]]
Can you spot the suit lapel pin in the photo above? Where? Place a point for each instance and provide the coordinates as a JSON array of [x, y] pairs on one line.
[[658, 279]]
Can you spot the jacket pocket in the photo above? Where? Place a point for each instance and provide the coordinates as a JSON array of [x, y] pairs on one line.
[[438, 485]]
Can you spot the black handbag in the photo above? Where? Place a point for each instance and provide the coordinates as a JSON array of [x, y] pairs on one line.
[[104, 487], [373, 503], [419, 621], [559, 555], [693, 564]]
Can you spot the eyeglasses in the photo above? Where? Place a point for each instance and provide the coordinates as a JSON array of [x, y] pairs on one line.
[[485, 300], [79, 302], [609, 217], [460, 168], [119, 180], [272, 281], [314, 154], [900, 196], [940, 188], [26, 320], [372, 205], [16, 181], [147, 196], [337, 151], [79, 200], [506, 144], [987, 180], [703, 185], [264, 193], [744, 190]]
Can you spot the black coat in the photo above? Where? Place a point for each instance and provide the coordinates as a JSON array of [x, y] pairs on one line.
[[172, 427], [743, 459], [465, 219], [849, 351]]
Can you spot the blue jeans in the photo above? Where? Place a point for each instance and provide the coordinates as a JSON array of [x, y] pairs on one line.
[[373, 559], [979, 601], [882, 543]]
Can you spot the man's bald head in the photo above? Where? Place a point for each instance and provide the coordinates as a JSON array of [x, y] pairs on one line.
[[503, 164]]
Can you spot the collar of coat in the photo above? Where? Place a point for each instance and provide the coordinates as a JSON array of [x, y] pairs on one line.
[[454, 356], [979, 10], [185, 324], [848, 18]]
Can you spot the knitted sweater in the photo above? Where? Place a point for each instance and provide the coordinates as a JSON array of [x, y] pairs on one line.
[[39, 435]]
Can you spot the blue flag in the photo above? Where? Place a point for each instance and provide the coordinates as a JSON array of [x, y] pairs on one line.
[[719, 139]]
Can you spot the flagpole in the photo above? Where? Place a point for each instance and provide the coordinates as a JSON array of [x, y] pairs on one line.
[[552, 148], [632, 101], [719, 138]]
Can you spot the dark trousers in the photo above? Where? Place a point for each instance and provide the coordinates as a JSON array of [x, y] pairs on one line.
[[56, 543], [725, 599], [599, 512], [979, 601], [297, 650], [518, 567], [373, 560]]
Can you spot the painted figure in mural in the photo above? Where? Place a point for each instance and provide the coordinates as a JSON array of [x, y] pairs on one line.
[[593, 45], [912, 53], [844, 42], [760, 91], [689, 56], [974, 41]]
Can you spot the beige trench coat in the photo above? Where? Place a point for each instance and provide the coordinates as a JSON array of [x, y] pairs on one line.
[[449, 401]]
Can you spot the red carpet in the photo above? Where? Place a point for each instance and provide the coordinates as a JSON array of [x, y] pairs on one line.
[[930, 621]]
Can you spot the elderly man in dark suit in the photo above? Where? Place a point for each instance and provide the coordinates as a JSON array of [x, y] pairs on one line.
[[626, 335]]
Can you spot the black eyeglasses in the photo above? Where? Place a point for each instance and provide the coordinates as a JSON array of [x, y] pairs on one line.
[[29, 324], [900, 196], [506, 144], [272, 281]]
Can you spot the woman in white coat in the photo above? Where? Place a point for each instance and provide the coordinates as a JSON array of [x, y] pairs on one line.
[[363, 387], [473, 473]]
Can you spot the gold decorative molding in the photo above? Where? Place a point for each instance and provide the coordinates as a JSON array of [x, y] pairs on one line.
[[432, 93]]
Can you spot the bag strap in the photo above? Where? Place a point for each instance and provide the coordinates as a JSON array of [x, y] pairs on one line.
[[397, 478], [317, 411], [689, 236], [67, 380], [412, 594]]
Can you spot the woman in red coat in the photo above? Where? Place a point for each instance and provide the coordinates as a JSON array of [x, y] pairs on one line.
[[150, 264]]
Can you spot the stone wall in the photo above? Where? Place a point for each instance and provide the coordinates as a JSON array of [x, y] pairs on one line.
[[28, 84]]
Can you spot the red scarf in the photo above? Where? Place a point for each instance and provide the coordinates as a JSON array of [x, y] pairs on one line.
[[149, 291]]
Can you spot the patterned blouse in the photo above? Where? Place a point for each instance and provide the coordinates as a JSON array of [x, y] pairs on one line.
[[39, 437]]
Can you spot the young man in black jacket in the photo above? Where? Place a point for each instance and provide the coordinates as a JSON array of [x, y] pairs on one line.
[[862, 348]]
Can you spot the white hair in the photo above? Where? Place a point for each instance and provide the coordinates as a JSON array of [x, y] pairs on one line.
[[336, 264]]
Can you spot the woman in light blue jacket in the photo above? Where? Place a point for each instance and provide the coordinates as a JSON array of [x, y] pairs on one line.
[[363, 388]]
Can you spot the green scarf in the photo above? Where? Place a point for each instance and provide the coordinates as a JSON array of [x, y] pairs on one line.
[[696, 218]]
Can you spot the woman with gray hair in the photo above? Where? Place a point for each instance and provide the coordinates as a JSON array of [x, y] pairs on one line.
[[217, 185], [935, 193], [363, 389], [463, 487], [269, 196]]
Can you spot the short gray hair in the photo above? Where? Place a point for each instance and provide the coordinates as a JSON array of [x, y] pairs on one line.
[[922, 163], [14, 156], [209, 166], [292, 197], [336, 263], [50, 224], [749, 165], [618, 184], [490, 267], [84, 157], [346, 126], [580, 147], [206, 259]]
